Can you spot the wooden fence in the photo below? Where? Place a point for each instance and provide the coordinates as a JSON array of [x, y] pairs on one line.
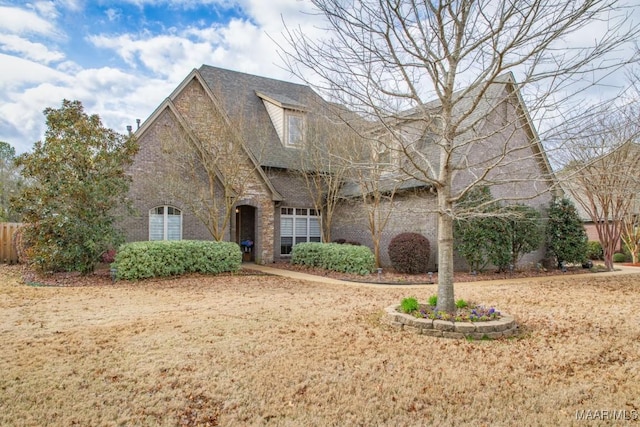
[[8, 254]]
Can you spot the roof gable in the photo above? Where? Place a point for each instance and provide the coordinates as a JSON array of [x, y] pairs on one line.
[[243, 97], [167, 104]]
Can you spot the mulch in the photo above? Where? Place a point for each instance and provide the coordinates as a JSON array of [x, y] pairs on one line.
[[390, 276], [102, 277]]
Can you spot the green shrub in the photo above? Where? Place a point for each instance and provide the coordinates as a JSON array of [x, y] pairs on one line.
[[566, 238], [433, 300], [409, 253], [620, 257], [461, 303], [594, 250], [334, 256], [140, 260], [409, 304]]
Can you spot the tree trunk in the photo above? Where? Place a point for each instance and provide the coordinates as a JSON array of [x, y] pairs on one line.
[[609, 250], [376, 251], [446, 300]]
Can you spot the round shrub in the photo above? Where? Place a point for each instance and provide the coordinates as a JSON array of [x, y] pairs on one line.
[[619, 257], [594, 250], [409, 253]]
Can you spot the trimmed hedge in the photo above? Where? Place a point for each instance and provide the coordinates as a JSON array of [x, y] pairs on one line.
[[335, 257], [141, 260], [620, 257]]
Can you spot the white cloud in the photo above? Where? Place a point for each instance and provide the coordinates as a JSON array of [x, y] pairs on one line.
[[116, 96], [17, 72], [74, 5], [165, 55], [46, 9], [29, 50], [113, 14], [24, 113], [19, 21]]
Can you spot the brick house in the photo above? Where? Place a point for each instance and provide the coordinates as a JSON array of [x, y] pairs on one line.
[[268, 119]]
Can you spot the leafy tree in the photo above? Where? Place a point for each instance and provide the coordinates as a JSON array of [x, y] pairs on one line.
[[495, 235], [77, 182], [566, 238], [527, 233], [474, 235], [9, 181]]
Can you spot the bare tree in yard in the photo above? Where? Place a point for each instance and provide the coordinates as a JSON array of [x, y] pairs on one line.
[[631, 233], [602, 174], [376, 184], [325, 163], [631, 223], [209, 174], [381, 57]]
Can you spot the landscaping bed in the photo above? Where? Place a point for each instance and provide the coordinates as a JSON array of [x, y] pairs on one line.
[[390, 276]]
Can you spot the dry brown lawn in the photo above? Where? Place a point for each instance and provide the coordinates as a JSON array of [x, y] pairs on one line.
[[256, 350]]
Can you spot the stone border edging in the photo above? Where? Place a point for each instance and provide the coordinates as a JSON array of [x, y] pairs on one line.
[[504, 327]]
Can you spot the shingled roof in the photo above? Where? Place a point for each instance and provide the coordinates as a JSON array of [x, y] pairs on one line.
[[241, 95]]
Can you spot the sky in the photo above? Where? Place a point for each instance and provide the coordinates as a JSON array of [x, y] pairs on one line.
[[122, 58]]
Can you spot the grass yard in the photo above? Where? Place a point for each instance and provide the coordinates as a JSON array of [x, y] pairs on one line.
[[258, 350]]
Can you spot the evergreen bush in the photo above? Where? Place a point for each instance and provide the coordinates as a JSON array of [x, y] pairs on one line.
[[594, 250], [566, 238], [620, 257], [141, 260], [409, 253], [334, 256]]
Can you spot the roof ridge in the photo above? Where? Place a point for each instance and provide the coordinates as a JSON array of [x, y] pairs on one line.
[[227, 70]]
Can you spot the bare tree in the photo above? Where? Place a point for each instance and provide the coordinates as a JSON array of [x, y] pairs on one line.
[[325, 163], [375, 176], [602, 172], [208, 170], [381, 57], [631, 233]]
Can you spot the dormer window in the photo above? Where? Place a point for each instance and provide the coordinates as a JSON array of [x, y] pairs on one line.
[[288, 117], [384, 156], [294, 125]]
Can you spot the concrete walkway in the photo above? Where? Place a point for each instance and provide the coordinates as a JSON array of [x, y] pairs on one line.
[[619, 270]]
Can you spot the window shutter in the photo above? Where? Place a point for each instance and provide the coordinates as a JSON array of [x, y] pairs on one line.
[[301, 227], [286, 227], [174, 226], [314, 227], [156, 227]]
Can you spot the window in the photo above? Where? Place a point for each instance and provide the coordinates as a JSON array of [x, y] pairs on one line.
[[383, 155], [165, 223], [298, 225], [294, 124]]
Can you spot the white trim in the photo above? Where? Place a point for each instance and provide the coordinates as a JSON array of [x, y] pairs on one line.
[[287, 125], [294, 216], [165, 221]]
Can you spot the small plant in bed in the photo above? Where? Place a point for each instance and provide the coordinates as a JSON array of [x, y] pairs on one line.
[[409, 305], [465, 311]]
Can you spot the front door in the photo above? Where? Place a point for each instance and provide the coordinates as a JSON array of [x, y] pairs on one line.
[[246, 231]]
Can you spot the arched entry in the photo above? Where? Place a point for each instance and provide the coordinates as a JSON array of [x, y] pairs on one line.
[[246, 231]]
